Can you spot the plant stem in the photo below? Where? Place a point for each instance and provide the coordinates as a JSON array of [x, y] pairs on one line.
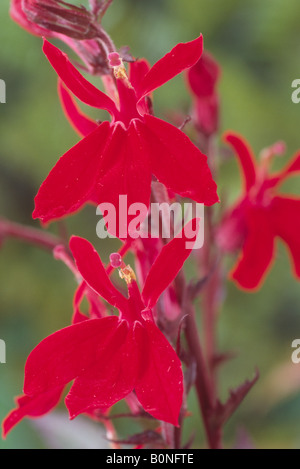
[[204, 385], [9, 229]]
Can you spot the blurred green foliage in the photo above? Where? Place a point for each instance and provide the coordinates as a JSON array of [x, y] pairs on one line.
[[258, 45]]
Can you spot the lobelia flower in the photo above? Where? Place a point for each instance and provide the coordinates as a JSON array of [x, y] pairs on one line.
[[203, 78], [119, 158], [260, 216], [112, 356]]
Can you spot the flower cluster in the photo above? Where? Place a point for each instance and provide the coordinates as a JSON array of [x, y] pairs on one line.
[[129, 344]]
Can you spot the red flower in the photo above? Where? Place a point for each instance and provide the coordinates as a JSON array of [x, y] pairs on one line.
[[261, 216], [203, 78], [119, 157], [110, 357]]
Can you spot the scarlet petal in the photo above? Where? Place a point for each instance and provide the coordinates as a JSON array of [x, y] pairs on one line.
[[127, 174], [66, 354], [167, 265], [177, 162], [258, 251], [180, 58], [91, 268], [137, 72], [79, 294], [110, 380], [160, 388], [76, 83], [245, 156], [31, 407], [285, 218], [290, 170], [70, 182], [294, 166], [81, 123]]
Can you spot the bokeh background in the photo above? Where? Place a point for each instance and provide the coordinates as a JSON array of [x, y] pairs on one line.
[[258, 47]]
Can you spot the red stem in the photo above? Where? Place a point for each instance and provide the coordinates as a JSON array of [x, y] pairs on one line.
[[204, 385], [9, 229]]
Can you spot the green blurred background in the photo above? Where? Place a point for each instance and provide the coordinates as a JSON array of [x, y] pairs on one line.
[[258, 46]]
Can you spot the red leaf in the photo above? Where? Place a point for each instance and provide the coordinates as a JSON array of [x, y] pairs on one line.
[[223, 412], [144, 438]]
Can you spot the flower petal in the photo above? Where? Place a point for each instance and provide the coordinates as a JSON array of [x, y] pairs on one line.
[[167, 265], [286, 224], [70, 182], [137, 72], [91, 268], [67, 353], [245, 157], [292, 169], [258, 251], [110, 380], [31, 407], [294, 166], [160, 388], [81, 123], [180, 58], [127, 174], [78, 316], [177, 162], [76, 83]]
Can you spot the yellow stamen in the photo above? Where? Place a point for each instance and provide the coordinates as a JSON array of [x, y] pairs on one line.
[[127, 274]]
